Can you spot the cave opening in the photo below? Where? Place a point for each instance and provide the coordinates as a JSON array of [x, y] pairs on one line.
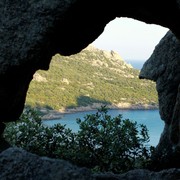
[[133, 41]]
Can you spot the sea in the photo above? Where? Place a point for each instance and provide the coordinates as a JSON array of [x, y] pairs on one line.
[[137, 64], [150, 118]]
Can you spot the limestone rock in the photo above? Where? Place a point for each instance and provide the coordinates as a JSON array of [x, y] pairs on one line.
[[37, 77]]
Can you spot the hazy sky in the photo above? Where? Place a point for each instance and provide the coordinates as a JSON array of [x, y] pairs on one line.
[[132, 39]]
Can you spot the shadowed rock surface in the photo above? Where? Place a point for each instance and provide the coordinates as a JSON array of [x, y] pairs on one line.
[[163, 67], [16, 163], [32, 31]]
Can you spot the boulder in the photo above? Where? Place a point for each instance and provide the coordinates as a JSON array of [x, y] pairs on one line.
[[163, 67], [16, 163]]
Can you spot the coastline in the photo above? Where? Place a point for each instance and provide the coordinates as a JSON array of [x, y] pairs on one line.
[[58, 114]]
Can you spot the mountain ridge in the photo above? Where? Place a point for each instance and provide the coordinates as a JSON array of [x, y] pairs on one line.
[[90, 78]]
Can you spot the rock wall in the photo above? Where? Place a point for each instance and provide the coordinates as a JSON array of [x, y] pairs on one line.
[[32, 31], [163, 67]]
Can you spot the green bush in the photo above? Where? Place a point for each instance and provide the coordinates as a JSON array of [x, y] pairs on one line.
[[102, 143], [112, 144], [32, 135]]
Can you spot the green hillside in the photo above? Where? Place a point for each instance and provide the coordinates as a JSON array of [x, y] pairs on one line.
[[92, 76]]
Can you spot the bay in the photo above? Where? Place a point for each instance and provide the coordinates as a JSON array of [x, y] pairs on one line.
[[150, 118], [137, 64]]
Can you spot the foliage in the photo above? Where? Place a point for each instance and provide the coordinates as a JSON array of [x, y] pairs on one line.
[[112, 144], [31, 134], [102, 143]]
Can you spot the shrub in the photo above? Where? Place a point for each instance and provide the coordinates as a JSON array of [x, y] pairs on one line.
[[102, 143], [112, 144], [32, 135]]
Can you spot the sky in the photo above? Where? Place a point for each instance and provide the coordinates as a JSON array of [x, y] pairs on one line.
[[132, 39]]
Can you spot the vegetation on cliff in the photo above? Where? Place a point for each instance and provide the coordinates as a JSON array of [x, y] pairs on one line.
[[92, 76]]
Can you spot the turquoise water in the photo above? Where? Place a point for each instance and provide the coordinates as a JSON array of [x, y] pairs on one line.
[[137, 64], [150, 118]]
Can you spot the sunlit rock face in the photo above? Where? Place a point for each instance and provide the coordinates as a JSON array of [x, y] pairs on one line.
[[32, 31]]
